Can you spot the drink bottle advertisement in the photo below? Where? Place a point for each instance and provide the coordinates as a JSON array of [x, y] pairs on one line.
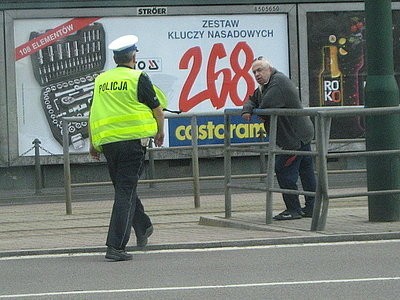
[[201, 62], [337, 64]]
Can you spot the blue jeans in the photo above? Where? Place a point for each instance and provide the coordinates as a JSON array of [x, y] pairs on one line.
[[125, 164], [287, 169]]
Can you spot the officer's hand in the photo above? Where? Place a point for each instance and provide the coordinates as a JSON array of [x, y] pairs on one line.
[[246, 116], [94, 153], [159, 139]]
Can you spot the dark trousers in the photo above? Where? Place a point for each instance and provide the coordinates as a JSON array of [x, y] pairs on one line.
[[288, 168], [125, 164]]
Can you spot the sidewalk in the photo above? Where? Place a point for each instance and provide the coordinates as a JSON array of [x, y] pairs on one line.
[[45, 227]]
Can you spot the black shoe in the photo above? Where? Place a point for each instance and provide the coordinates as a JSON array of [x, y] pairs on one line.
[[117, 255], [287, 215], [142, 241], [306, 212]]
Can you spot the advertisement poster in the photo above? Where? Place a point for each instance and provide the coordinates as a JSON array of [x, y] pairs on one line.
[[337, 66], [203, 64]]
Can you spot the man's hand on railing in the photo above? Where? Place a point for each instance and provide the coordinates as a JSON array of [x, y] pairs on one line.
[[246, 116]]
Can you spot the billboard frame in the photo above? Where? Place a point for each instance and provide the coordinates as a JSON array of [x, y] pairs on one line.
[[289, 10], [3, 101], [303, 9]]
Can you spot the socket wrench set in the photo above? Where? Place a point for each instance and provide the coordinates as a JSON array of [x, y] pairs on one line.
[[66, 71]]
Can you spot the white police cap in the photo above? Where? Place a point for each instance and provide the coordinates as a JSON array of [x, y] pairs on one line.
[[124, 43]]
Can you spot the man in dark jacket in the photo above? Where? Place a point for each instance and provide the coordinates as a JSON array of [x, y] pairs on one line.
[[276, 90]]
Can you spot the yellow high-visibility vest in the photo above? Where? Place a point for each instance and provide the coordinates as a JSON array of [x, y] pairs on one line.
[[116, 113], [161, 96]]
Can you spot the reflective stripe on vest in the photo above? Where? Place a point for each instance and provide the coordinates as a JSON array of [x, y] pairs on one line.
[[122, 128]]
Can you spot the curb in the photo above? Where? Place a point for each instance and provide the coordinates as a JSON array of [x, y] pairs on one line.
[[321, 238], [238, 224]]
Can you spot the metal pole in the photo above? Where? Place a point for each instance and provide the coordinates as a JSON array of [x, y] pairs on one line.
[[270, 168], [320, 172], [67, 169], [38, 169], [195, 163], [151, 164], [323, 177], [263, 163], [227, 165], [382, 131]]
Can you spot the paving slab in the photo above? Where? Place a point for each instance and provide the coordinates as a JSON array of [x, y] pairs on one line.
[[44, 226]]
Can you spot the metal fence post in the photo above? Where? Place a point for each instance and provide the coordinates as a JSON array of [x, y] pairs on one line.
[[151, 164], [321, 196], [326, 125], [195, 163], [319, 132], [67, 168], [262, 135], [270, 168], [227, 165], [38, 168]]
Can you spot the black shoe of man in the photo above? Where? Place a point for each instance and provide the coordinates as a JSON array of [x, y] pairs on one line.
[[141, 241], [117, 255], [306, 212], [287, 215]]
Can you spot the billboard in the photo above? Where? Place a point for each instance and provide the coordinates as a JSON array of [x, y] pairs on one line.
[[334, 52], [337, 66], [202, 62]]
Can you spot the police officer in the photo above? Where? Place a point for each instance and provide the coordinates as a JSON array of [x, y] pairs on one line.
[[124, 114]]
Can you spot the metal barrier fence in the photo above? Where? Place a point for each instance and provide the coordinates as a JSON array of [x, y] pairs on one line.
[[194, 157], [323, 117]]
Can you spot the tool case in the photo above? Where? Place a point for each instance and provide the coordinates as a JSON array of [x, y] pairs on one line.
[[66, 71]]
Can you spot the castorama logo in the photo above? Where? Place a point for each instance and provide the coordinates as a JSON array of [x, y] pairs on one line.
[[149, 64]]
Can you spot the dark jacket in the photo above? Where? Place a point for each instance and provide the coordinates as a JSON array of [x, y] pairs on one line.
[[280, 92]]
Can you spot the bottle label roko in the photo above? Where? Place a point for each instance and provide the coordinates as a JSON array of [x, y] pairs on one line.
[[331, 80]]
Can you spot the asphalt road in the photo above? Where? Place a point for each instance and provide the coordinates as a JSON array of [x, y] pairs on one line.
[[352, 270]]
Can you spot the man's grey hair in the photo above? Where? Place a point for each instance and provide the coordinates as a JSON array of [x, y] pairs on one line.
[[265, 62], [124, 57]]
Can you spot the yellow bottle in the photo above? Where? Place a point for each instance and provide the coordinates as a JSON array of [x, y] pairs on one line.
[[331, 79]]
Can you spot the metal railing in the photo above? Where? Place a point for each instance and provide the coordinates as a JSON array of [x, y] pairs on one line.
[[323, 117], [195, 178]]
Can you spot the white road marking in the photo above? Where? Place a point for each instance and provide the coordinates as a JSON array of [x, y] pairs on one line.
[[203, 287], [183, 288], [205, 249]]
